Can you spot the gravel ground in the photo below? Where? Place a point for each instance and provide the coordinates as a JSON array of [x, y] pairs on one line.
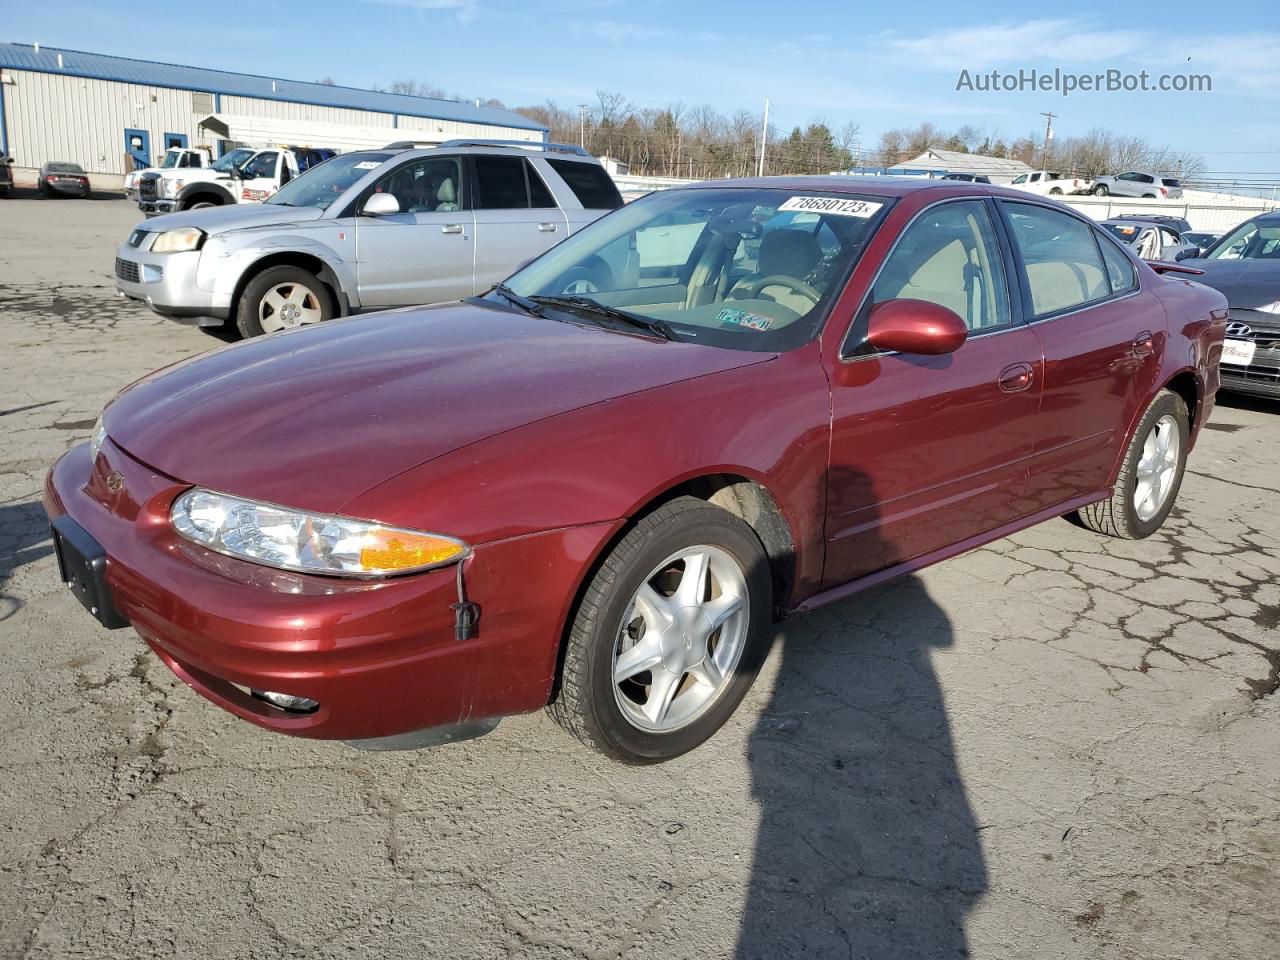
[[1057, 746]]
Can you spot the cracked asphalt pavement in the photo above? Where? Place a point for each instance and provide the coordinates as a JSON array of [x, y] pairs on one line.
[[1057, 746]]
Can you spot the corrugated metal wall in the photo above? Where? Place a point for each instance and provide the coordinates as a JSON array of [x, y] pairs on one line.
[[51, 117], [252, 107], [54, 117]]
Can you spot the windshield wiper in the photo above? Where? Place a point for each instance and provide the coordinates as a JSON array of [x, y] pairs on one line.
[[658, 328], [524, 303]]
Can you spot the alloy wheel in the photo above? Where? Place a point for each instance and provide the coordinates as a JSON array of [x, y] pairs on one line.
[[681, 638], [288, 305], [1157, 468]]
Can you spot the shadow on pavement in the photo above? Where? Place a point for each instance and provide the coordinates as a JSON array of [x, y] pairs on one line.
[[24, 538], [867, 846]]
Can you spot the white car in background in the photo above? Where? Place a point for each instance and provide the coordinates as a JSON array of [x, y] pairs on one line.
[[1047, 182], [1136, 183]]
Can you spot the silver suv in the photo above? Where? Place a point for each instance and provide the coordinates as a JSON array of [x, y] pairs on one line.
[[1136, 183], [366, 231]]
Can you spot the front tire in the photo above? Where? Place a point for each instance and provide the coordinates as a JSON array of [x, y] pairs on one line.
[[1101, 190], [280, 298], [1150, 474], [669, 635]]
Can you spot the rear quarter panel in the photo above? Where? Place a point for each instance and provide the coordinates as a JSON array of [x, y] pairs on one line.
[[1197, 325]]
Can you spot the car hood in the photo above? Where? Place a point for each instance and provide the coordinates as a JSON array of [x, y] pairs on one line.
[[231, 217], [312, 418], [1247, 284]]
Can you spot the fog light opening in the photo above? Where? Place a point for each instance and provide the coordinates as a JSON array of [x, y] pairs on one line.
[[285, 701]]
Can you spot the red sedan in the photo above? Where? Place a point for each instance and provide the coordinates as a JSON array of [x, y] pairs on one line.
[[598, 486]]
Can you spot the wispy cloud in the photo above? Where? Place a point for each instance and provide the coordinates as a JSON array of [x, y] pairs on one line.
[[1048, 41], [464, 10], [613, 31]]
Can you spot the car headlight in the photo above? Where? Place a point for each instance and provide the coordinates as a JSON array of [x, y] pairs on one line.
[[278, 536], [178, 241], [95, 439]]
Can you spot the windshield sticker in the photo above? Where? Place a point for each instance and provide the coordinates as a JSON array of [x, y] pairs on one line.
[[740, 318], [832, 205], [367, 165]]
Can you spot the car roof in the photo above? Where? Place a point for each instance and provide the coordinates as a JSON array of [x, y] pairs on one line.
[[875, 186]]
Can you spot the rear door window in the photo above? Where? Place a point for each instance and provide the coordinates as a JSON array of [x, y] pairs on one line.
[[1120, 273], [1063, 265], [500, 183], [589, 182]]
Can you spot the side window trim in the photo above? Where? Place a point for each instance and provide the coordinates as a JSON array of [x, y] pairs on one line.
[[847, 348], [1031, 316]]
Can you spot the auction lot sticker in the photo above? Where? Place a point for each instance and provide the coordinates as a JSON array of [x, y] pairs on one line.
[[838, 207]]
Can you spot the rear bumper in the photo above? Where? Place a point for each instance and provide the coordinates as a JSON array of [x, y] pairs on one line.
[[380, 657]]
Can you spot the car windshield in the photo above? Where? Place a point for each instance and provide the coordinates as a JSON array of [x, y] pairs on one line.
[[326, 182], [744, 268], [65, 168], [233, 159], [1249, 241], [170, 160]]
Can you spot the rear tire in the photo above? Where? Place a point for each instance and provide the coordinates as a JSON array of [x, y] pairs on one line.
[[1055, 192], [625, 611], [282, 298], [1151, 462]]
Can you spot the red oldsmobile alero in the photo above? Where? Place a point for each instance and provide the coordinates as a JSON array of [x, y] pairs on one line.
[[599, 485]]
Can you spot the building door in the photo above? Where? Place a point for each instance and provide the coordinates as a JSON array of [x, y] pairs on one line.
[[175, 140], [137, 146]]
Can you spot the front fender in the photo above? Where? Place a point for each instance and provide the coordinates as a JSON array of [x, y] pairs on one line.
[[232, 256]]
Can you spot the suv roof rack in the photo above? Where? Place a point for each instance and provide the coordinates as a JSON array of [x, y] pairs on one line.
[[521, 144]]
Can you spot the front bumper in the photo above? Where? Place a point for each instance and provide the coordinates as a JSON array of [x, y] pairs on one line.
[[1261, 378], [380, 657], [166, 282], [156, 208]]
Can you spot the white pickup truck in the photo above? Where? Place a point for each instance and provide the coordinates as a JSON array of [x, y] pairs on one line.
[[175, 158], [1047, 182], [241, 176]]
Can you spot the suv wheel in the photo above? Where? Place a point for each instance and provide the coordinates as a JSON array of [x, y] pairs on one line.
[[1101, 190], [1150, 474], [280, 298], [669, 635]]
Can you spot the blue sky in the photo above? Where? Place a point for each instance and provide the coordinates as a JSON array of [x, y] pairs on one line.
[[880, 65]]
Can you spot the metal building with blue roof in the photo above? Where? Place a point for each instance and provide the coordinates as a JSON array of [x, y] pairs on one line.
[[110, 113]]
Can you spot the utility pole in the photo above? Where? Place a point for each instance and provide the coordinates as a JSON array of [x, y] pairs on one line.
[[764, 138], [582, 125], [1048, 135]]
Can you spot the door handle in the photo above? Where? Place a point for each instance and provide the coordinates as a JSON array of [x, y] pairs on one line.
[[1143, 344], [547, 227], [451, 228], [1016, 377]]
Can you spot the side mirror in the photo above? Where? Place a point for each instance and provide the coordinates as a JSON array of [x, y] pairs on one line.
[[915, 326], [380, 205], [1188, 254]]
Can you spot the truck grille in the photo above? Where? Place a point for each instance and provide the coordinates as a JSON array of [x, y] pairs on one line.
[[127, 270], [147, 186]]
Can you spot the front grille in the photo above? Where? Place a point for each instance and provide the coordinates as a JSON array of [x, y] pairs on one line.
[[147, 185], [127, 270]]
